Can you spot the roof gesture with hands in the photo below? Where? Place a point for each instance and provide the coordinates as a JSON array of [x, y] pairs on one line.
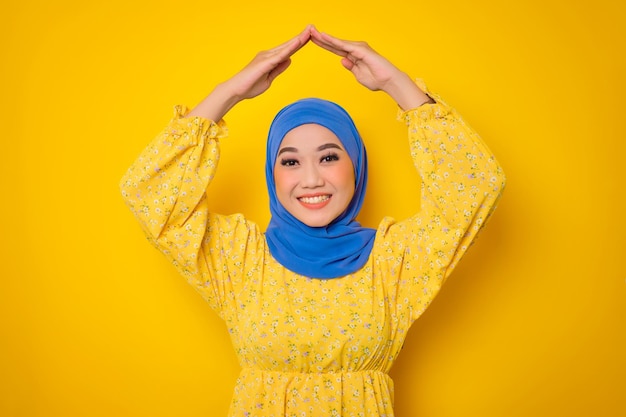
[[370, 69]]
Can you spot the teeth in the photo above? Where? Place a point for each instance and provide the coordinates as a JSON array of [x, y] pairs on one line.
[[314, 200]]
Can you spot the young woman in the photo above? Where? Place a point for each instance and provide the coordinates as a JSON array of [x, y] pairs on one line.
[[317, 306]]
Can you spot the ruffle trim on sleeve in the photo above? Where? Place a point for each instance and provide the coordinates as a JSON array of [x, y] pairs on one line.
[[207, 128], [437, 110]]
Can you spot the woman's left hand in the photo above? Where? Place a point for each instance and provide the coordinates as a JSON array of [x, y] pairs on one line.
[[373, 70]]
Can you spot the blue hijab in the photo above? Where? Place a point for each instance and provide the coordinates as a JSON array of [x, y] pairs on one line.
[[343, 246]]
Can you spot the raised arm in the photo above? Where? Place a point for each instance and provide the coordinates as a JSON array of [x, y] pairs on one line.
[[461, 179], [165, 188]]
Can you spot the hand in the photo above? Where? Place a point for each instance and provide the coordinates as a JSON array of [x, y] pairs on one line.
[[373, 70], [368, 67], [254, 79]]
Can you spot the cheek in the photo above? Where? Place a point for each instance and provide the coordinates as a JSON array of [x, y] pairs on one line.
[[282, 180], [347, 177]]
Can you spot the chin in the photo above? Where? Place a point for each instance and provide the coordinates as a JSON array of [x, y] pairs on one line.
[[315, 222]]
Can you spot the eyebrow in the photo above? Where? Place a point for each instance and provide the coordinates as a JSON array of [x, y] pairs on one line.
[[320, 148]]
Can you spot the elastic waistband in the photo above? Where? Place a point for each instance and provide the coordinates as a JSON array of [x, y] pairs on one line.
[[318, 373]]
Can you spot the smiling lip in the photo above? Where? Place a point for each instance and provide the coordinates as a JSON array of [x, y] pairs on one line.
[[314, 201]]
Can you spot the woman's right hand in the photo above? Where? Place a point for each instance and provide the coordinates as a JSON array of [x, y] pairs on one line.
[[256, 77], [253, 80]]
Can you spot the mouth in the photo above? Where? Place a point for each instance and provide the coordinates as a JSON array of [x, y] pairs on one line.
[[315, 201]]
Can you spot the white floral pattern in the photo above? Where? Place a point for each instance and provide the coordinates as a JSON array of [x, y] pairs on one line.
[[312, 347]]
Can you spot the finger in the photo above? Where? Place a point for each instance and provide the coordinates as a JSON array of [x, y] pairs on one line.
[[353, 50], [302, 38], [284, 52], [291, 44], [335, 45], [295, 43], [318, 38], [329, 47], [325, 45]]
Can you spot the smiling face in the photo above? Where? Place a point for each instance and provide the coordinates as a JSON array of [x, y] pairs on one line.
[[314, 175]]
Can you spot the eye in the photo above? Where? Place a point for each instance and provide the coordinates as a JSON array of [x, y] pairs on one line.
[[330, 157], [288, 162]]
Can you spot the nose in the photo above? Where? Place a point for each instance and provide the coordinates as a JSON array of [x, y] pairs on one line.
[[311, 176]]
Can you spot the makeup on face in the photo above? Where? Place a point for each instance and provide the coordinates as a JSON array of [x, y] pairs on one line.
[[314, 175]]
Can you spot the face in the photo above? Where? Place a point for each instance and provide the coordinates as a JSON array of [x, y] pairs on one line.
[[314, 175]]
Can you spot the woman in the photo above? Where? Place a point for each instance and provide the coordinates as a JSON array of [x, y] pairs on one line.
[[317, 306]]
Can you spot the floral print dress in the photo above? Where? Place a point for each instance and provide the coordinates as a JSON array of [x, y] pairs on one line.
[[312, 347]]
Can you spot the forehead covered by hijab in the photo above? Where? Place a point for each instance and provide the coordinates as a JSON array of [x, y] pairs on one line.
[[321, 112]]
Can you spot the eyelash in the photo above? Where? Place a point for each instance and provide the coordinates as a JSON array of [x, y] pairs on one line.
[[288, 162], [331, 157]]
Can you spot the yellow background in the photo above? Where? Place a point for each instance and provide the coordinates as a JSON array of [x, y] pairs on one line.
[[95, 322]]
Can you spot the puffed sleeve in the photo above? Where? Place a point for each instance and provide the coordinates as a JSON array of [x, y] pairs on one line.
[[461, 183], [165, 189]]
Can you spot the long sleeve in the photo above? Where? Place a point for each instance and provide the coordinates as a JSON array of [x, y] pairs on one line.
[[165, 189], [461, 185]]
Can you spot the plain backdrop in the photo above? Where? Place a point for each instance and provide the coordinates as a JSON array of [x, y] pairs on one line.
[[95, 322]]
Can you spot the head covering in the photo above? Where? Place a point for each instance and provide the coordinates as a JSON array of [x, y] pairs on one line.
[[343, 246]]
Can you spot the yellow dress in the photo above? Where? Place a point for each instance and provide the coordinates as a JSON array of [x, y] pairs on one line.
[[311, 347]]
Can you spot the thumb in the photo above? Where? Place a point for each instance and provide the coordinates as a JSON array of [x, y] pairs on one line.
[[347, 63], [279, 69]]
